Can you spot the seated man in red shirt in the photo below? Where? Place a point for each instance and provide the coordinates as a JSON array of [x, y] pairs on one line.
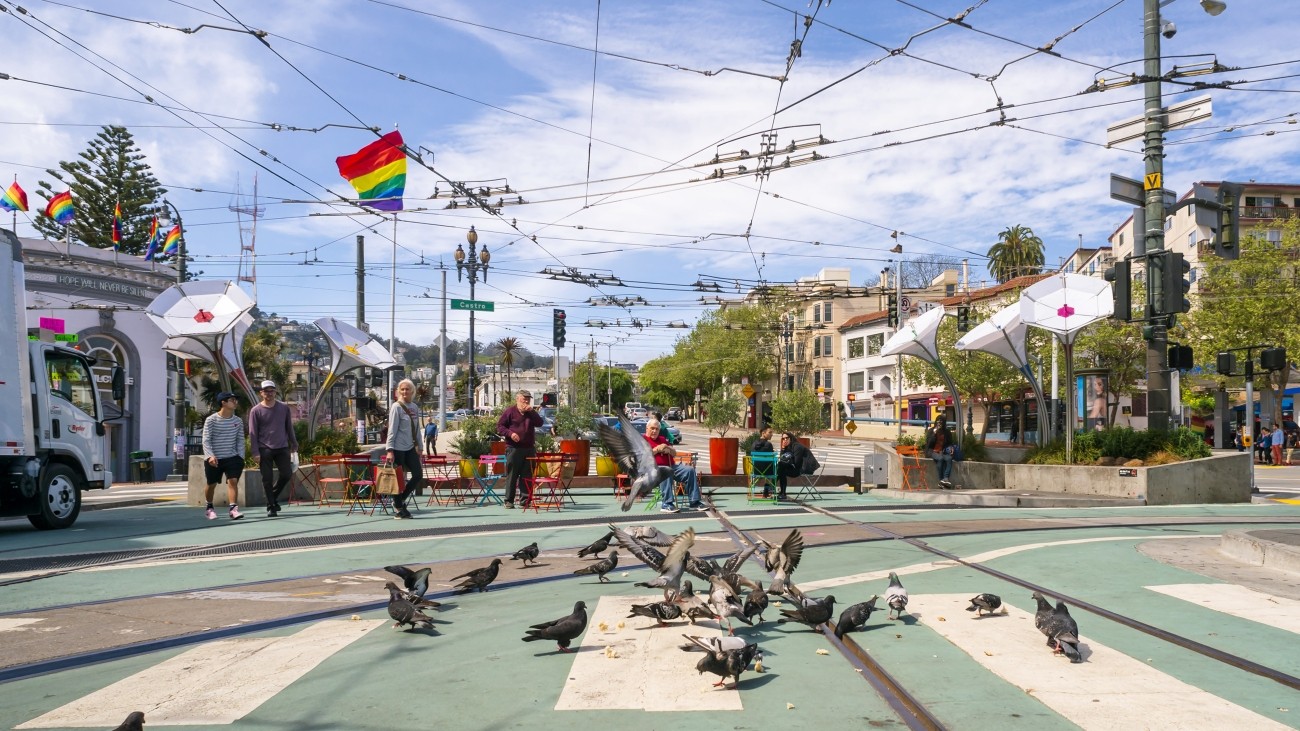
[[684, 474]]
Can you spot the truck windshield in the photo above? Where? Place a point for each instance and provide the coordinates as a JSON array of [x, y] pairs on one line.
[[70, 379]]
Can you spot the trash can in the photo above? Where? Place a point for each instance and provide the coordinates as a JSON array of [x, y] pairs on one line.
[[142, 466]]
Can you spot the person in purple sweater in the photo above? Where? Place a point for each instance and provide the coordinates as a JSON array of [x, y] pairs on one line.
[[518, 425], [270, 432]]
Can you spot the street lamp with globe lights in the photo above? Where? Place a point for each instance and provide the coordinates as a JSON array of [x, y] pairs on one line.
[[474, 263]]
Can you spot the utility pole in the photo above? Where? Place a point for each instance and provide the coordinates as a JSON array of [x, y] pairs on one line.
[[441, 380], [1153, 151], [361, 319]]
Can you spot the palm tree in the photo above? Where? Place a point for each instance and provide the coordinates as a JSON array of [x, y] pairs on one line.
[[508, 348], [1017, 253]]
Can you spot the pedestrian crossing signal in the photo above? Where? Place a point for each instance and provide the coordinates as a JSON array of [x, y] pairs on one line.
[[963, 318]]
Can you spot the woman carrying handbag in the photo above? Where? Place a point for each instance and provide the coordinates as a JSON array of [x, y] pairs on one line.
[[404, 444]]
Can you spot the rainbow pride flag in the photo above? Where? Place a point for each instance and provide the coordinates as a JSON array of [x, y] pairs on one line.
[[60, 208], [117, 225], [151, 247], [172, 242], [14, 199], [378, 172]]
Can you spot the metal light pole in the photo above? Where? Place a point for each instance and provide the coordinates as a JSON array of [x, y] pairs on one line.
[[474, 265], [609, 379]]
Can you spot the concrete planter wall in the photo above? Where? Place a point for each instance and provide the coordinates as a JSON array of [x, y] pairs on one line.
[[250, 493], [1217, 479]]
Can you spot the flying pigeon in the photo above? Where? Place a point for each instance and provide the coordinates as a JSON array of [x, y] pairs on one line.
[[719, 643], [635, 457], [756, 602], [478, 578], [601, 567], [650, 534], [133, 722], [813, 615], [670, 574], [597, 548], [782, 561], [1065, 632], [644, 551], [702, 568], [562, 630], [416, 582], [661, 612], [855, 617], [725, 604], [984, 603], [725, 663], [403, 611], [731, 569], [896, 596], [527, 553]]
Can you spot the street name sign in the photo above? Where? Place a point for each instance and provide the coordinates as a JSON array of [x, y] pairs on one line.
[[474, 305]]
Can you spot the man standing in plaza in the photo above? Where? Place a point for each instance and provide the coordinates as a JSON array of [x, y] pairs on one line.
[[270, 431], [518, 425], [223, 452]]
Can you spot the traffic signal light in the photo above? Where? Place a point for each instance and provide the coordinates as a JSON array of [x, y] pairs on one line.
[[557, 328], [1272, 359], [963, 318], [1180, 357], [548, 399], [893, 310], [1227, 235], [1176, 285], [1120, 277], [1225, 364]]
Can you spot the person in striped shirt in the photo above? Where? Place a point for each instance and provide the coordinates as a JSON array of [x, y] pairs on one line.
[[223, 452]]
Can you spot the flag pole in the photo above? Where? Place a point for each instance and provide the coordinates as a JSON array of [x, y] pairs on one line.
[[15, 211]]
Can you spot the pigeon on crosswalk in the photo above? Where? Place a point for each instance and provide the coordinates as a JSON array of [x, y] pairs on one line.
[[982, 603], [527, 553], [814, 615], [563, 630], [416, 582], [895, 597], [660, 612], [855, 617], [478, 578], [601, 567], [725, 663], [718, 643], [597, 548], [635, 458], [133, 722], [403, 611], [1065, 632], [724, 603], [783, 560], [756, 602], [635, 546]]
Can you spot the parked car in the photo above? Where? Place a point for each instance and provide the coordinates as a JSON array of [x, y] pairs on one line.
[[674, 413]]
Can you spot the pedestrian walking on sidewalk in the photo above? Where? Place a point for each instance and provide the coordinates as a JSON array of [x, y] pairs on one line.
[[223, 453], [270, 432], [431, 437], [403, 444]]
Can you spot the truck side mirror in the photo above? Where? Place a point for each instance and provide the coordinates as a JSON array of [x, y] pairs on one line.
[[119, 384]]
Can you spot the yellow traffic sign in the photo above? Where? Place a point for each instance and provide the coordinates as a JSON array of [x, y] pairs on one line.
[[851, 427], [748, 390], [1152, 181]]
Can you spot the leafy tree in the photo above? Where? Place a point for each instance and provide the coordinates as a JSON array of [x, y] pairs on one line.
[[263, 348], [111, 170], [798, 411], [507, 348], [1248, 301], [1119, 348], [591, 379], [725, 344], [725, 411], [1017, 253]]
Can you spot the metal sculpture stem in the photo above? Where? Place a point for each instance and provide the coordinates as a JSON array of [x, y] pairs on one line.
[[956, 396]]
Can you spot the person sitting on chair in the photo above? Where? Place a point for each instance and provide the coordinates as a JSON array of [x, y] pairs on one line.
[[939, 445], [794, 456], [763, 444], [685, 474]]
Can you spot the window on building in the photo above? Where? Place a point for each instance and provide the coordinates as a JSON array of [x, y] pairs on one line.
[[875, 343], [817, 347], [871, 382], [827, 375], [789, 351], [1191, 275], [1069, 267], [826, 346], [855, 347], [1191, 240], [950, 290], [826, 312], [857, 381], [817, 313], [1121, 241], [1139, 404], [817, 379], [801, 353]]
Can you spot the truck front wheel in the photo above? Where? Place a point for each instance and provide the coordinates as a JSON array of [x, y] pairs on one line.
[[59, 497]]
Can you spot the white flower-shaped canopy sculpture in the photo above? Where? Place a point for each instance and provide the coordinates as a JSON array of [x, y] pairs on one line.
[[917, 337], [208, 320], [350, 347], [1003, 335]]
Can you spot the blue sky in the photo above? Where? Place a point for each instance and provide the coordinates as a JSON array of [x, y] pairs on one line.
[[611, 150]]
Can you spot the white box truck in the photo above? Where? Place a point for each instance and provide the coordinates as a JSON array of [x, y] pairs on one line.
[[52, 435]]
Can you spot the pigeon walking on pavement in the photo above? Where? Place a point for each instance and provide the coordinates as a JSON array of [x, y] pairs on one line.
[[725, 663], [814, 615], [782, 560], [982, 603], [416, 582], [717, 643], [403, 611], [563, 630], [527, 553], [896, 596], [597, 548], [724, 603], [478, 578], [133, 722], [756, 602], [855, 617], [660, 612], [1065, 632], [601, 567], [634, 456]]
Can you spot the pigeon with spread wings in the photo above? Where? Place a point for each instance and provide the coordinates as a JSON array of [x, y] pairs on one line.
[[635, 458]]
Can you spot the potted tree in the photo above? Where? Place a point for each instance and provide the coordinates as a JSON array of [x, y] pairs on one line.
[[725, 412], [473, 442], [606, 466], [572, 425], [798, 411]]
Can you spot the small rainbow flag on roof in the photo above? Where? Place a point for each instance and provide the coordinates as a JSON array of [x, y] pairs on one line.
[[172, 242], [60, 208], [378, 172], [117, 225], [151, 245], [14, 199]]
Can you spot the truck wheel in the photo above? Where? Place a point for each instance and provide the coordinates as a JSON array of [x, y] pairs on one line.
[[60, 498]]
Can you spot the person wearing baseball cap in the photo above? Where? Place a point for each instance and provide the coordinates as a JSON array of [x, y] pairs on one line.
[[270, 432], [223, 452]]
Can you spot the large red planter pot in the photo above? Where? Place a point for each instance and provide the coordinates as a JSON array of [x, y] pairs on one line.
[[581, 449], [499, 448], [724, 453]]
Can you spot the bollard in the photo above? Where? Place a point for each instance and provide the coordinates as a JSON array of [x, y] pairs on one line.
[[857, 480]]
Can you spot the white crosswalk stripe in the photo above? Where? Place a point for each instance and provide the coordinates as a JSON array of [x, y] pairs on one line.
[[117, 493]]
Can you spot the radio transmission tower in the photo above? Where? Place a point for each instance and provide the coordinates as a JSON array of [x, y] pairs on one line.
[[248, 237]]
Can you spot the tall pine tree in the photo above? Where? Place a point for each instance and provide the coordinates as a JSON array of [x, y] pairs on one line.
[[110, 170]]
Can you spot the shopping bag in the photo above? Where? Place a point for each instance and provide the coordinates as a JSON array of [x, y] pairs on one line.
[[388, 480]]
